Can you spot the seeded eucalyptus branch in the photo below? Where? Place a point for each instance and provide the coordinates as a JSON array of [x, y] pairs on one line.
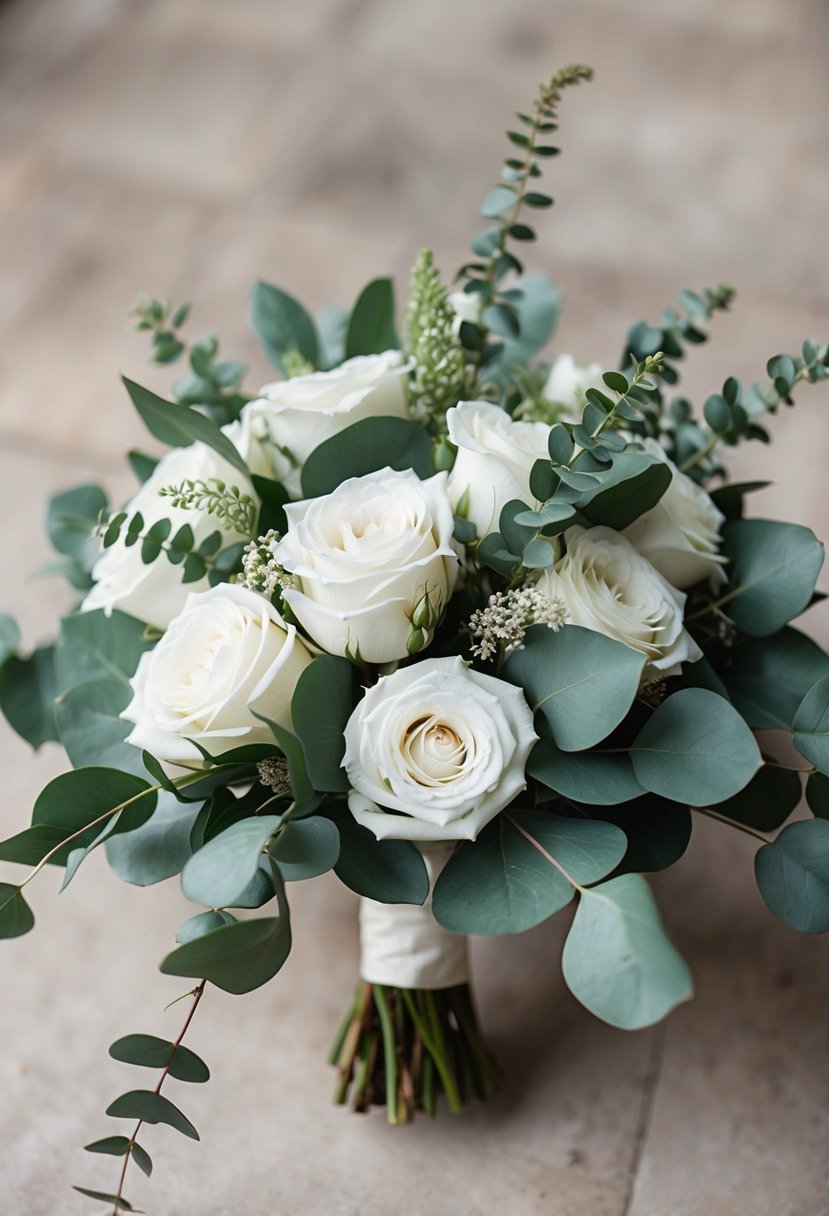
[[504, 205], [214, 496]]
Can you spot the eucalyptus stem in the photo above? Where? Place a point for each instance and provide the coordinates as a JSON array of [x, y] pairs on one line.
[[731, 823], [198, 993]]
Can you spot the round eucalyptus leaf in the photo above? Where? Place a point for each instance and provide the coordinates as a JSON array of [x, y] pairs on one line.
[[149, 1051], [810, 726], [156, 850], [792, 873], [203, 922], [618, 960], [767, 801], [817, 795], [591, 777], [768, 677], [16, 917], [657, 831], [306, 848], [695, 748], [773, 568], [78, 799], [218, 874], [389, 871]]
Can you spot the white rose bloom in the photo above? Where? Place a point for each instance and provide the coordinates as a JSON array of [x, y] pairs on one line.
[[466, 305], [681, 534], [155, 593], [494, 460], [227, 653], [607, 585], [568, 381], [292, 417], [365, 558], [441, 743]]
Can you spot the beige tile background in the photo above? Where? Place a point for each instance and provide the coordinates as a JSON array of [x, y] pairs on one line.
[[189, 146]]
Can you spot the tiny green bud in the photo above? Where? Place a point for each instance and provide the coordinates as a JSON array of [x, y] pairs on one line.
[[416, 642]]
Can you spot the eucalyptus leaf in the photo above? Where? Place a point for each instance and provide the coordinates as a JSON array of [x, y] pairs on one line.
[[767, 801], [156, 850], [91, 730], [203, 922], [768, 677], [810, 725], [179, 426], [581, 681], [593, 777], [83, 798], [321, 706], [388, 871], [635, 483], [617, 959], [92, 645], [27, 695], [658, 832], [817, 795], [792, 873], [9, 637], [370, 328], [151, 1107], [306, 848], [16, 917], [283, 325], [365, 447], [218, 874], [773, 568], [149, 1051]]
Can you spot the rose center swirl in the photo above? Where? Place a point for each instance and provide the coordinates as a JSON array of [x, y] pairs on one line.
[[434, 752]]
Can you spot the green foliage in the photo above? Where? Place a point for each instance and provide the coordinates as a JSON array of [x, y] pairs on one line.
[[792, 873], [80, 802], [151, 1107], [16, 917], [321, 706], [582, 682], [773, 568], [817, 795], [388, 871], [364, 447], [196, 561], [679, 327], [94, 646], [149, 1051], [657, 831], [439, 379], [521, 870], [117, 1201], [283, 326], [306, 848], [27, 695], [810, 726], [237, 957], [617, 959], [218, 874], [767, 801], [9, 637], [695, 748], [70, 525], [235, 507], [163, 321], [156, 850], [370, 329], [593, 777], [202, 923], [178, 425], [767, 678], [633, 485], [90, 728]]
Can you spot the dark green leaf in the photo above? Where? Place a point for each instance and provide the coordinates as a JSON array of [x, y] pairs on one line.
[[810, 725], [118, 1202], [635, 483], [817, 795], [365, 447], [154, 539], [178, 425], [283, 325], [151, 1108], [616, 381], [78, 799], [389, 871], [113, 1146], [769, 677], [617, 959], [30, 846], [371, 324], [321, 706], [657, 831], [696, 749], [27, 695], [767, 800], [15, 914], [793, 875], [148, 1051]]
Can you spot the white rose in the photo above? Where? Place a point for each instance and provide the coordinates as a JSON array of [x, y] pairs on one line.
[[466, 306], [607, 585], [681, 534], [567, 383], [227, 653], [155, 593], [494, 460], [441, 743], [294, 416], [367, 559]]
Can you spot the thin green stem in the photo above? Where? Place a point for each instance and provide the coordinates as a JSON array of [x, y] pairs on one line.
[[389, 1052], [698, 457], [731, 823], [441, 1062]]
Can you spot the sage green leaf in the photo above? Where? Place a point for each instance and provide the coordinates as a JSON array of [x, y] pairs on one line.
[[27, 695], [364, 447], [91, 730], [508, 880], [178, 425], [218, 874], [371, 324], [769, 677], [332, 323], [388, 871], [94, 646], [695, 748], [617, 958], [593, 777], [70, 521], [158, 848], [149, 1051], [151, 1108], [767, 801], [320, 708], [792, 873], [9, 637], [80, 798], [657, 831], [306, 848], [282, 325], [113, 1146], [635, 483], [810, 726], [117, 1201], [538, 311], [773, 568], [16, 916], [817, 796], [239, 957], [581, 681], [203, 922]]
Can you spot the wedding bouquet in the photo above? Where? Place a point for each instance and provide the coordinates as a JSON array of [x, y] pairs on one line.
[[481, 634]]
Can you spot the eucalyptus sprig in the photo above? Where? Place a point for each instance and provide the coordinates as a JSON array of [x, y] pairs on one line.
[[505, 204], [237, 508], [163, 321], [207, 558]]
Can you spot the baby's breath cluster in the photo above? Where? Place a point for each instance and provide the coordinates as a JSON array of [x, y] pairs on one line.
[[260, 569], [215, 497], [502, 624], [438, 381]]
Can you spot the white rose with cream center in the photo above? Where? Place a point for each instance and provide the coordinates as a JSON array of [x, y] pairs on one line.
[[373, 564], [494, 461], [607, 585], [227, 653], [434, 751], [292, 417]]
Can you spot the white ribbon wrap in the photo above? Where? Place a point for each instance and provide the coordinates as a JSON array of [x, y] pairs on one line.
[[403, 946]]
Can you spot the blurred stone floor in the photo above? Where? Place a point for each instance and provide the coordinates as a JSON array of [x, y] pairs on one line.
[[188, 146]]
